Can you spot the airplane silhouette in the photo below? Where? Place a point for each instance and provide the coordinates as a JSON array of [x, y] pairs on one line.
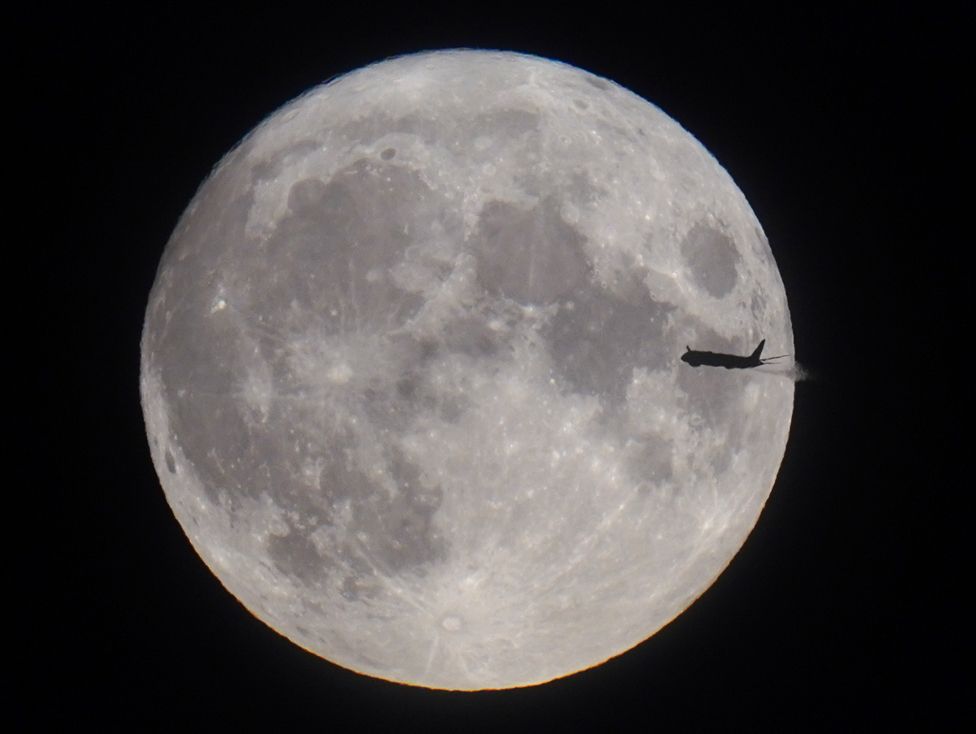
[[728, 361]]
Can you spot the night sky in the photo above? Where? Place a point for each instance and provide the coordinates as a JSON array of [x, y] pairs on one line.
[[843, 610]]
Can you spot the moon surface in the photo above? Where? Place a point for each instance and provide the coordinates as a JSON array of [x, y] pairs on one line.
[[411, 378]]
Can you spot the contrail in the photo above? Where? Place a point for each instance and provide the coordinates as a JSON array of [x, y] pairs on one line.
[[799, 373]]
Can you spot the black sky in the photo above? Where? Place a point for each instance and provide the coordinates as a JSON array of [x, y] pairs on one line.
[[845, 132]]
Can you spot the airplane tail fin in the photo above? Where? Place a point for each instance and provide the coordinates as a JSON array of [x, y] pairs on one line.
[[755, 354]]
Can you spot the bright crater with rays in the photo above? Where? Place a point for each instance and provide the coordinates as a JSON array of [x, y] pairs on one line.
[[411, 376]]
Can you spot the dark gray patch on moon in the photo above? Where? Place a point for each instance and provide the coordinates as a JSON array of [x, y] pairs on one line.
[[721, 460], [221, 445], [711, 259], [398, 530], [582, 191], [649, 464], [294, 554], [306, 195], [339, 478], [499, 124], [528, 255], [355, 588], [596, 82], [268, 169], [333, 251], [599, 340], [470, 336], [505, 124]]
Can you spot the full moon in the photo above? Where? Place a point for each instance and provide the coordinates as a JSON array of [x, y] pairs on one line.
[[411, 370]]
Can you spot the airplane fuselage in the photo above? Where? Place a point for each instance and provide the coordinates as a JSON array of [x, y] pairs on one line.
[[715, 359], [698, 358]]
